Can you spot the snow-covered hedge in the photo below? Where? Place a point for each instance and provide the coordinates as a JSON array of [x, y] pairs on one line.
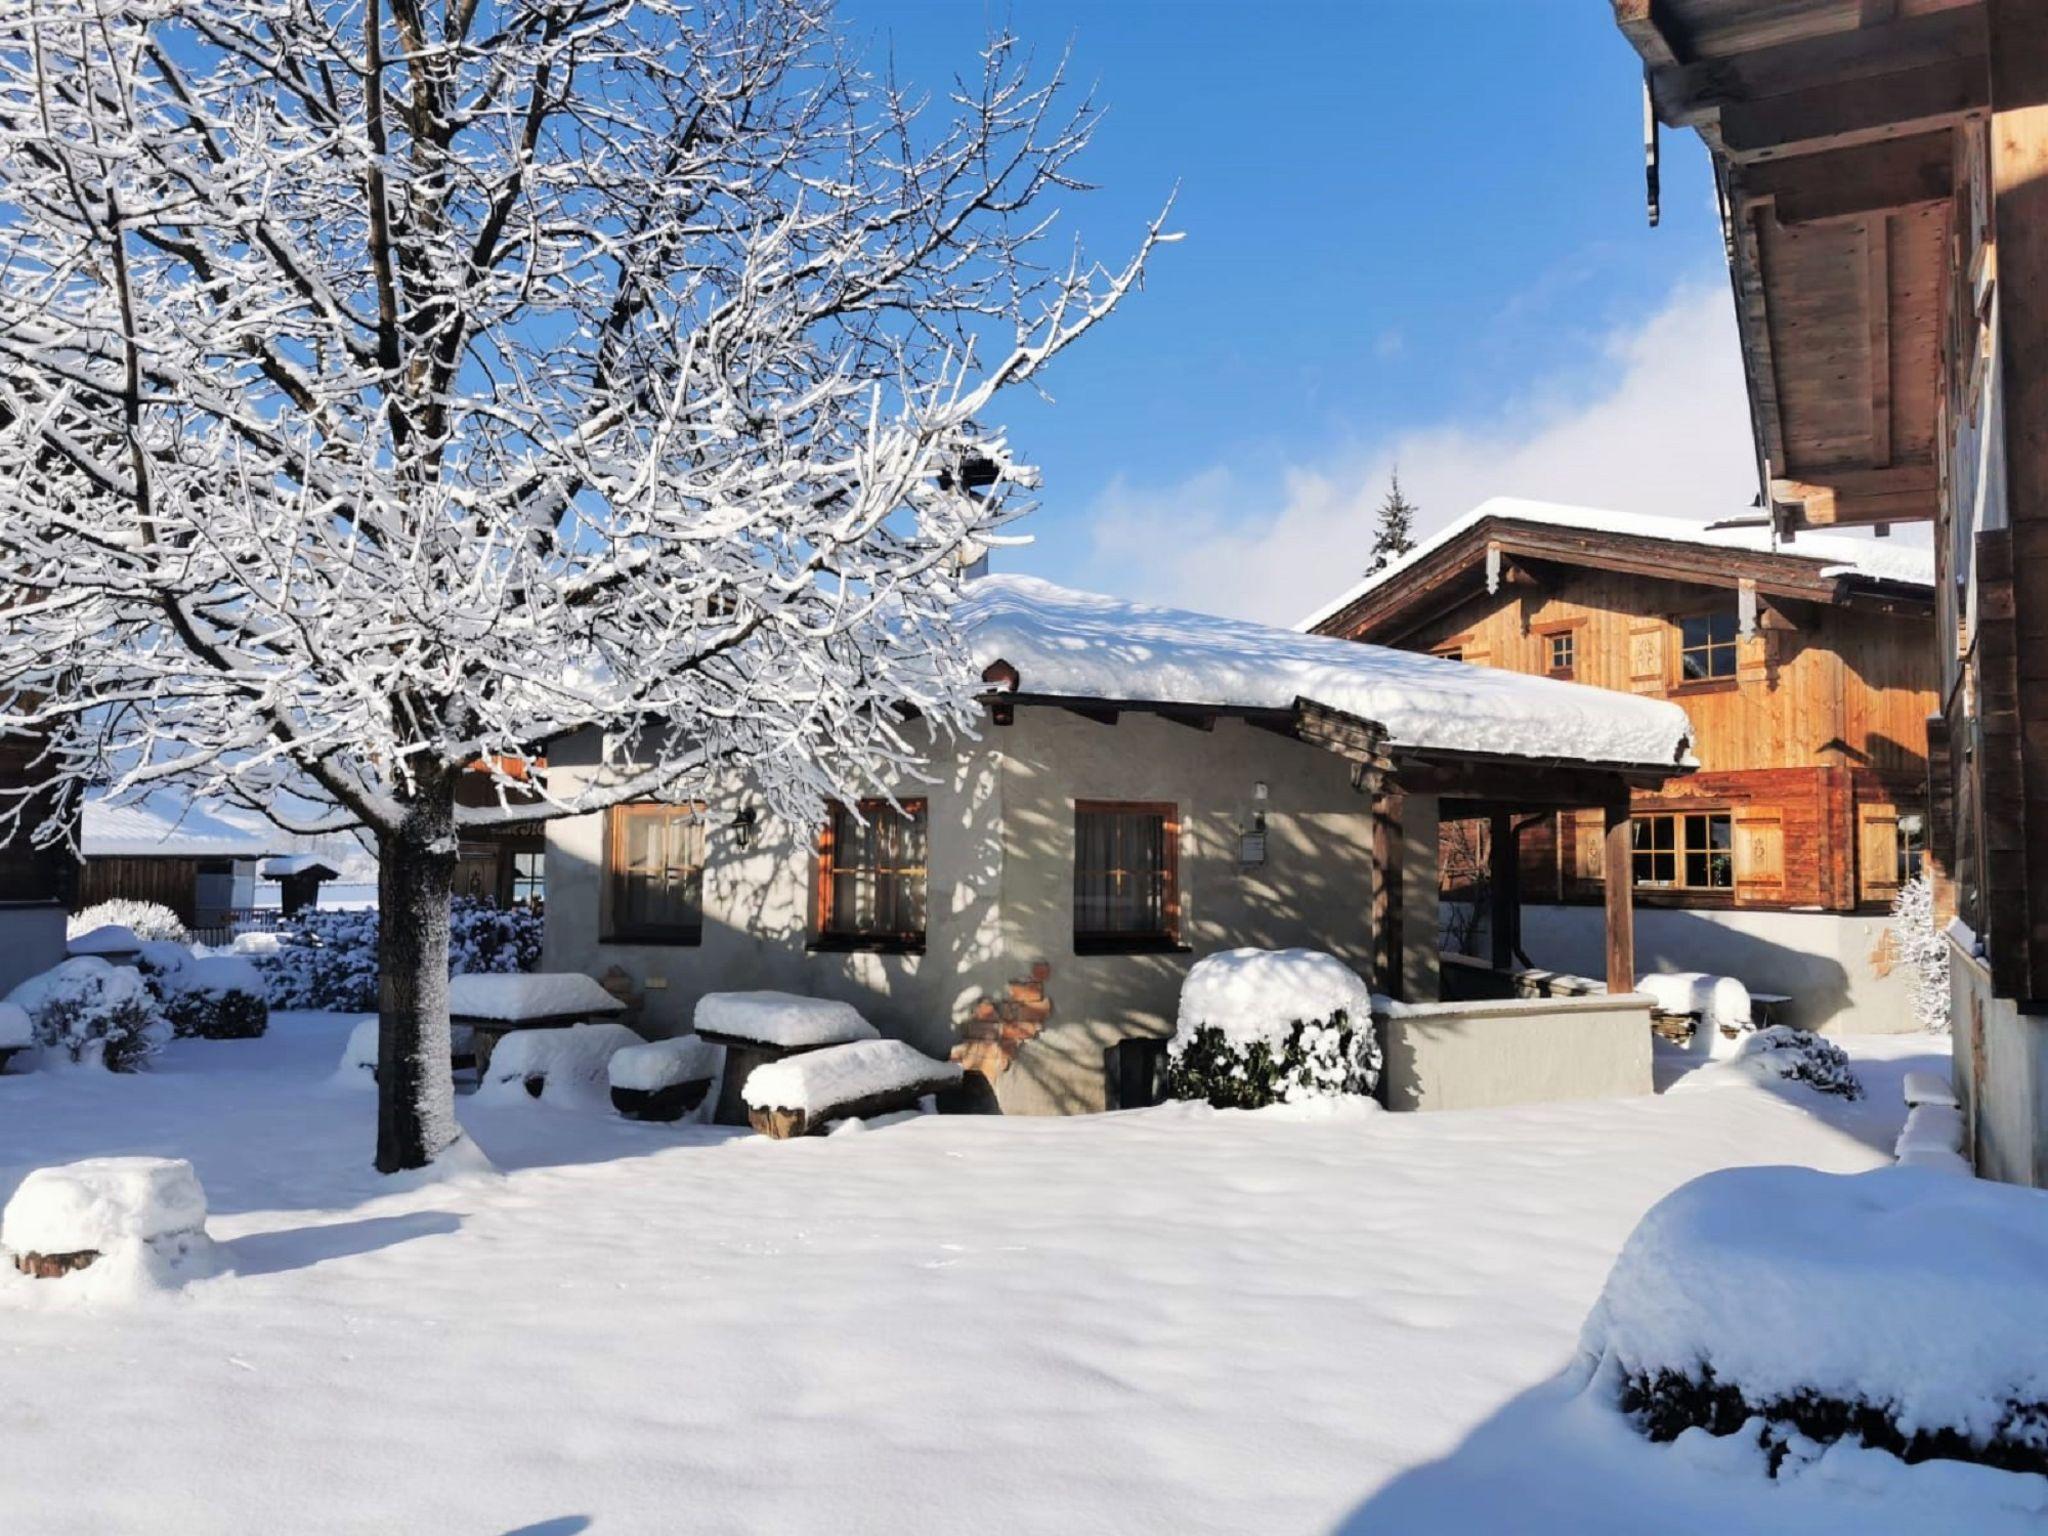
[[326, 958], [1922, 948], [1267, 1026], [1900, 1307], [90, 1012], [1800, 1056], [148, 919], [216, 997]]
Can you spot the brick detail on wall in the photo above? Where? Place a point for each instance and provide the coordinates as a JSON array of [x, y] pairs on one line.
[[1000, 1027]]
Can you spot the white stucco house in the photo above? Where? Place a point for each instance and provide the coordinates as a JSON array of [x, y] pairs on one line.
[[1149, 786]]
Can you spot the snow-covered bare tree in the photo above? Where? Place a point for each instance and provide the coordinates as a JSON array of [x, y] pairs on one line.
[[388, 387]]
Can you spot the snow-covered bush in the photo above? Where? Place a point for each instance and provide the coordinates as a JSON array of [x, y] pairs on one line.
[[1899, 1307], [1800, 1056], [216, 997], [326, 958], [149, 920], [93, 1013], [1921, 946], [485, 937], [1263, 1026]]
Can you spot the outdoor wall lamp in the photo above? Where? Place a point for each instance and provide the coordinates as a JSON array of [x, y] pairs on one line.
[[743, 824]]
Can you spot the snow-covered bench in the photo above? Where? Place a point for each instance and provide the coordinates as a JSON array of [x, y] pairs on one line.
[[757, 1028], [1714, 1004], [663, 1079], [568, 1057], [1929, 1088], [493, 1005], [801, 1094], [64, 1218], [1933, 1138]]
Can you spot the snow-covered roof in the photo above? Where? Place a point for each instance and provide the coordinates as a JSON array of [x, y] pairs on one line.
[[1873, 559], [295, 864], [166, 828], [1084, 645]]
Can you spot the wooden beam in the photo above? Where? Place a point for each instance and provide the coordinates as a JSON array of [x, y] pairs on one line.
[[1899, 493], [1503, 896], [1647, 24], [1882, 56], [1387, 843], [1877, 302], [1617, 863], [1890, 176], [1855, 112], [1753, 334]]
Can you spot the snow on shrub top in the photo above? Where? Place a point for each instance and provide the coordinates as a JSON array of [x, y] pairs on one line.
[[16, 1031], [663, 1063], [1255, 994], [515, 996], [86, 978], [149, 919], [1900, 1286], [163, 957], [102, 1202], [1720, 1001], [818, 1080], [781, 1018], [107, 939], [217, 975]]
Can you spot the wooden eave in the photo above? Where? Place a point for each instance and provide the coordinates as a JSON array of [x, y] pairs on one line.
[[1833, 129], [1456, 572]]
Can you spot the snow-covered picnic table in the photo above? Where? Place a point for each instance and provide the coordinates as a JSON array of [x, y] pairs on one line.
[[757, 1028], [493, 1005]]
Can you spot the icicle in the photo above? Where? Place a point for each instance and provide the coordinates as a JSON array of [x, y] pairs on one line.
[[1746, 609], [1492, 569]]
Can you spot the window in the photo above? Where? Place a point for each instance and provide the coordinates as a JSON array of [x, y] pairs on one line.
[[1706, 646], [1563, 649], [529, 878], [1911, 847], [1126, 874], [654, 874], [871, 875], [1450, 653], [1691, 852]]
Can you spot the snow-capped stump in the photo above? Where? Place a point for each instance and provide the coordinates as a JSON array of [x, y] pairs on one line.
[[804, 1093], [757, 1028], [1799, 1056], [1269, 1026], [359, 1056], [663, 1079], [89, 1012], [17, 1032], [492, 1005], [110, 941], [537, 1061], [1897, 1307], [67, 1218]]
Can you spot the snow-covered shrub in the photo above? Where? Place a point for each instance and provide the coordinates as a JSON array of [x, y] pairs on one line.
[[149, 920], [1922, 948], [216, 997], [109, 940], [485, 937], [94, 1013], [1900, 1308], [326, 957], [1800, 1056], [1265, 1026]]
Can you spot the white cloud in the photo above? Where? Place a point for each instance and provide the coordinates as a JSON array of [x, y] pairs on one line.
[[1662, 428]]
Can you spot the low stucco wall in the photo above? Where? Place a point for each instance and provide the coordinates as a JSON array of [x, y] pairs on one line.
[[2000, 1074], [1834, 966], [31, 941], [1480, 1055]]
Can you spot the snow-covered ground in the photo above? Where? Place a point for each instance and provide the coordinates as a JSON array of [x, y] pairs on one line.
[[1168, 1320]]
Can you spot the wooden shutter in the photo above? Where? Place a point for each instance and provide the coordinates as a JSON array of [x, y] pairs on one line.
[[1646, 656], [1760, 855], [1584, 867], [1877, 853]]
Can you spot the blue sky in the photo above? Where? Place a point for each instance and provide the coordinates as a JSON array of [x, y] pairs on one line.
[[1414, 230]]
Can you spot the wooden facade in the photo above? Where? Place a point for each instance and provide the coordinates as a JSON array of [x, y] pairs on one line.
[[1812, 750], [27, 873]]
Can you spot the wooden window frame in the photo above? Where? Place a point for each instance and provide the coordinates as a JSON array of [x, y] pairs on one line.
[[612, 929], [1547, 635], [1719, 682], [1169, 941], [1681, 850], [823, 938]]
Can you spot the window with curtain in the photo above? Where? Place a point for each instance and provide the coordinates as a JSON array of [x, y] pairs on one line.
[[872, 874], [1690, 852], [1126, 873], [654, 874], [529, 878]]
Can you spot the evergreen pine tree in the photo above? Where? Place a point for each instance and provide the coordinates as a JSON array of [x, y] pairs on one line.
[[1395, 535]]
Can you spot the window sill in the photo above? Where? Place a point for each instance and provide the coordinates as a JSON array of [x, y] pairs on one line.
[[1137, 944], [1704, 685], [863, 944], [656, 940]]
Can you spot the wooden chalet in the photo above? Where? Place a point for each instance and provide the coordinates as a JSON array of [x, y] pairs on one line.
[[1883, 171], [1808, 678]]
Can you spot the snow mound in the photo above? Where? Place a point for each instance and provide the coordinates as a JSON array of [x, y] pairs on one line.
[[663, 1064], [102, 1202], [1718, 1002], [1084, 645], [1255, 994], [17, 1032], [567, 1061], [781, 1018], [1912, 1295], [515, 996], [107, 939], [821, 1080], [1931, 1128]]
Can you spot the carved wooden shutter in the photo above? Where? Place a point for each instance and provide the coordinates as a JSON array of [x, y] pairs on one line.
[[1586, 831], [1646, 656], [1759, 855], [1877, 853]]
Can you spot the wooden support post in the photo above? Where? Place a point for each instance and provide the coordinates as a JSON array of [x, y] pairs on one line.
[[1618, 866], [1503, 893], [1386, 896]]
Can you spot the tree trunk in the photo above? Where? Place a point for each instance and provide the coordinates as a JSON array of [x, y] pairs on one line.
[[415, 1087]]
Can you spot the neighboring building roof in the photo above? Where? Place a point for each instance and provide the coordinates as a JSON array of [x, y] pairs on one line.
[[297, 864], [1822, 557], [164, 828], [1081, 645]]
